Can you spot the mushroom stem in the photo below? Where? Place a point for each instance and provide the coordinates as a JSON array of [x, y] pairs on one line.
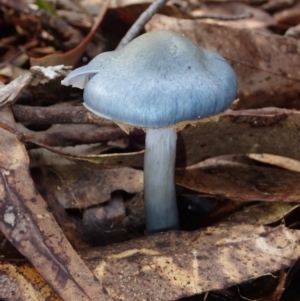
[[159, 183]]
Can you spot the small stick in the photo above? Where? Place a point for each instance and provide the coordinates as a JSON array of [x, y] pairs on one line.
[[65, 135], [57, 115], [139, 24]]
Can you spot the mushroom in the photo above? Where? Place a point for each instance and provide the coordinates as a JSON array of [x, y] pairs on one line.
[[160, 82]]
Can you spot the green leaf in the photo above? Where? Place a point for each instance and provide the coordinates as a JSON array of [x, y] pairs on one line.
[[44, 4]]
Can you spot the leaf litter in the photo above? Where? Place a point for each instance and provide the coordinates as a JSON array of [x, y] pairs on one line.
[[264, 126]]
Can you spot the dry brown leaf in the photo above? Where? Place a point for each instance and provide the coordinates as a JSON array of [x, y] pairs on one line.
[[275, 5], [175, 265], [121, 3], [172, 265], [28, 225], [242, 182], [99, 162], [289, 16], [71, 57], [69, 224], [257, 17], [241, 132], [267, 65], [134, 159], [42, 157], [260, 214], [11, 72], [10, 92], [287, 163], [77, 187], [23, 282]]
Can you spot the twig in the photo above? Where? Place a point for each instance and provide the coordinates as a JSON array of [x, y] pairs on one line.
[[70, 134], [57, 115], [139, 24], [65, 135]]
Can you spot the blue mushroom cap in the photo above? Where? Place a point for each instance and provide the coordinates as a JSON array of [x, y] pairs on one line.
[[80, 76], [159, 79]]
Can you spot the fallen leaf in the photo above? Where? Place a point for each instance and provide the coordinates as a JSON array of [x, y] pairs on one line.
[[71, 57], [260, 214], [77, 187], [255, 183], [287, 163], [289, 16], [11, 72], [169, 266], [257, 17], [274, 5], [28, 225], [23, 282], [10, 92], [40, 157], [242, 132], [121, 3], [174, 265]]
